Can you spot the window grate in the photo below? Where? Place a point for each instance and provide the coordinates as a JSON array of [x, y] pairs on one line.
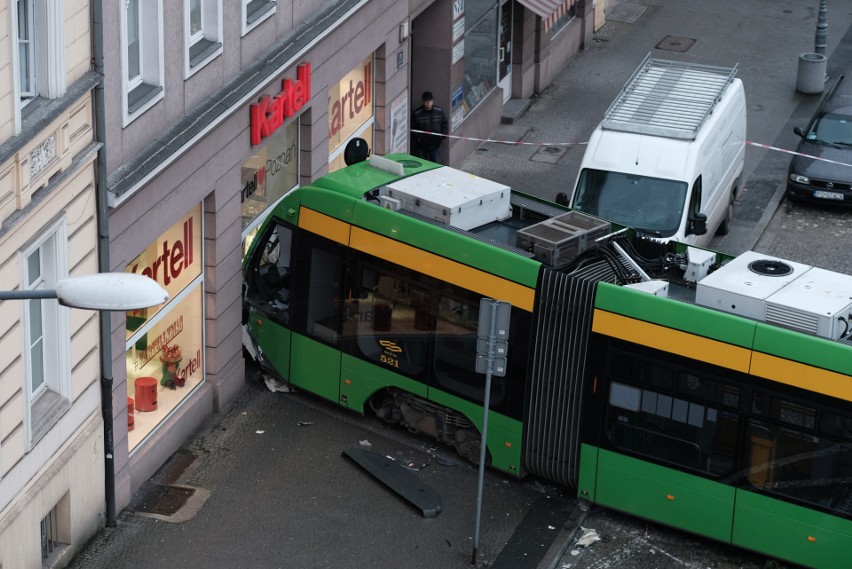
[[50, 534]]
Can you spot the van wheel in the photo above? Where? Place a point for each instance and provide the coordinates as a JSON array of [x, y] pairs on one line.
[[725, 226]]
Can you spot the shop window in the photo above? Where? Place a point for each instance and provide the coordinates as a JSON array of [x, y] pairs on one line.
[[39, 52], [351, 111], [142, 54], [46, 336], [203, 24], [480, 58], [164, 349], [267, 177]]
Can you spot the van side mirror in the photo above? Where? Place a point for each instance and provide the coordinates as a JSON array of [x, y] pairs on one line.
[[799, 132], [697, 224]]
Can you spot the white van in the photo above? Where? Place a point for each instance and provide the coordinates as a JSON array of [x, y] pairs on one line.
[[668, 157]]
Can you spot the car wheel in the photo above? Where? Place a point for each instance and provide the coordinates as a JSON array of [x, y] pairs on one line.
[[725, 226]]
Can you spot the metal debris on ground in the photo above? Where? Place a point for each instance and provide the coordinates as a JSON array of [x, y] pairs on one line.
[[260, 432], [445, 461], [305, 423], [365, 443]]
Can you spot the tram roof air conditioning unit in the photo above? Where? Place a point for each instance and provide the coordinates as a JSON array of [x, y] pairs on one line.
[[818, 302], [742, 285], [453, 197]]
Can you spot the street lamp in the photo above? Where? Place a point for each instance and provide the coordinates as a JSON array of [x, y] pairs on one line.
[[103, 292], [99, 291]]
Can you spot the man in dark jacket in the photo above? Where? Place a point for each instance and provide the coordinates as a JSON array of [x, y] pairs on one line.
[[429, 118]]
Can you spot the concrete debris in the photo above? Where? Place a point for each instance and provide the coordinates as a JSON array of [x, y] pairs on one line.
[[588, 538]]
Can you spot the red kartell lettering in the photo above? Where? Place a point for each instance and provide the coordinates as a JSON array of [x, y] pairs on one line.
[[269, 113], [352, 101], [174, 259]]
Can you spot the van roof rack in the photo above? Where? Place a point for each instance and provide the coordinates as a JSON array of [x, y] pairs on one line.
[[668, 98]]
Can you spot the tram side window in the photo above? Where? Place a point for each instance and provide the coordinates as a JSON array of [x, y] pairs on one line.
[[388, 320], [268, 286], [324, 304], [790, 456], [672, 416], [455, 349]]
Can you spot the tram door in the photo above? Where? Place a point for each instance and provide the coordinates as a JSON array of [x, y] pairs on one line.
[[504, 49]]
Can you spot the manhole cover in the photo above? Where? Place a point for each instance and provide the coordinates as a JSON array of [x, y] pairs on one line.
[[675, 43], [626, 13], [162, 500], [549, 154]]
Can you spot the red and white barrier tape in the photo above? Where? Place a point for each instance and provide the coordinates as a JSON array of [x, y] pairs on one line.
[[795, 153], [512, 142], [519, 143]]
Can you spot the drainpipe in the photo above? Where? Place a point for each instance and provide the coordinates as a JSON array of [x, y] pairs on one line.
[[103, 262]]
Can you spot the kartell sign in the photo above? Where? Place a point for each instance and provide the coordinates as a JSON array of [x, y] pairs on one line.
[[269, 113]]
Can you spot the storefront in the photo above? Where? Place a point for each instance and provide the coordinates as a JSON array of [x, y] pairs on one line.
[[476, 55], [165, 344]]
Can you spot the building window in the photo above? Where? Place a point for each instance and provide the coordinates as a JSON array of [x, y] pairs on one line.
[[55, 532], [256, 11], [26, 50], [203, 32], [46, 336], [38, 52], [142, 55]]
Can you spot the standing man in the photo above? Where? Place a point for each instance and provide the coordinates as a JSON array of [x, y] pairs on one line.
[[429, 118]]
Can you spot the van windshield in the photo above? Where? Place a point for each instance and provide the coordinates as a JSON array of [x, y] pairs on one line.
[[651, 205]]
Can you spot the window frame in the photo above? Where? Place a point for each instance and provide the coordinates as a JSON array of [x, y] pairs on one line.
[[46, 404], [254, 12], [142, 92], [206, 44], [46, 28]]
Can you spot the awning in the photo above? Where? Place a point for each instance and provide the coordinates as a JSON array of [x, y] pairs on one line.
[[548, 10]]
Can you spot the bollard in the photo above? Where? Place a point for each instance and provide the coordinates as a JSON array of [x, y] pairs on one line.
[[811, 77]]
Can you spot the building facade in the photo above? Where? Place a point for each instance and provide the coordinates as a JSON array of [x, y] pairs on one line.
[[51, 428], [213, 110]]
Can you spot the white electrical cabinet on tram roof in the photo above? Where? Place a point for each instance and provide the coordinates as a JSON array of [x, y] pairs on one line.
[[451, 196]]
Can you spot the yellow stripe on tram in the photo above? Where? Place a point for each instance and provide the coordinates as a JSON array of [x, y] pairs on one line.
[[443, 268], [324, 225], [670, 340], [801, 375], [417, 259]]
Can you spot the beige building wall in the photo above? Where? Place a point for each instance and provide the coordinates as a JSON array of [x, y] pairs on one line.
[[51, 444]]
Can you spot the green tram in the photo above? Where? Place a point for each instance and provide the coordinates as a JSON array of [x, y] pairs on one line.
[[704, 392]]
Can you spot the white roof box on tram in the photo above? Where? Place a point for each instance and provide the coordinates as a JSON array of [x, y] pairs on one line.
[[453, 197]]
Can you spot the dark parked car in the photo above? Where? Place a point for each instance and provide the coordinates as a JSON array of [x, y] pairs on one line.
[[829, 137]]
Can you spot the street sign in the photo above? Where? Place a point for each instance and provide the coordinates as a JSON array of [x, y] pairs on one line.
[[492, 343], [498, 365], [501, 320]]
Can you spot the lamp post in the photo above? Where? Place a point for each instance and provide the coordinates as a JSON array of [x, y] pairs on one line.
[[99, 291], [103, 292]]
